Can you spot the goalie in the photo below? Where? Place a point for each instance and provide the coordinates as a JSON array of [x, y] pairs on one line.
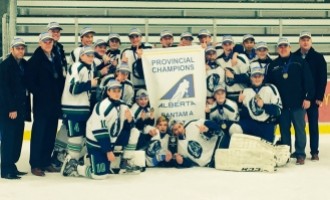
[[250, 153]]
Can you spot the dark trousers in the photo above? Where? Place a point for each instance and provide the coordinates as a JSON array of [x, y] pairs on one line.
[[42, 141], [297, 117], [263, 130], [12, 131], [313, 118]]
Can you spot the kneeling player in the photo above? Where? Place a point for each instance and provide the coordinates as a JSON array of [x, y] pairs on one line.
[[111, 124], [261, 106], [225, 113], [197, 141]]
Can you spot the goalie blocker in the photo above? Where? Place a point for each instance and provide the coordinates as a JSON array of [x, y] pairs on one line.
[[250, 153]]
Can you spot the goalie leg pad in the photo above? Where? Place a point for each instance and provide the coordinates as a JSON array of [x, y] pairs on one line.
[[282, 154], [243, 141], [244, 160]]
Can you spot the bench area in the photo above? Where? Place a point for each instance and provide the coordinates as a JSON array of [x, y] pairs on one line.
[[266, 20]]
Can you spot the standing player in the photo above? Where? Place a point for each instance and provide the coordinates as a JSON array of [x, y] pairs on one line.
[[111, 124], [166, 39], [114, 52], [186, 39], [14, 106], [197, 141], [237, 76], [132, 56], [292, 77], [121, 75], [59, 151], [204, 37], [318, 67], [75, 100], [261, 106], [249, 43], [86, 38], [262, 59]]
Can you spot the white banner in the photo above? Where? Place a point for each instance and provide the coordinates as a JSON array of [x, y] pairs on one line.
[[176, 81]]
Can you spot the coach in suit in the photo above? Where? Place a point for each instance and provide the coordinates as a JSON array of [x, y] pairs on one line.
[[46, 82], [318, 68], [14, 109]]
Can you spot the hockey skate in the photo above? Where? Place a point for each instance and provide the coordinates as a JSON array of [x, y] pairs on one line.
[[126, 167], [58, 158], [69, 167]]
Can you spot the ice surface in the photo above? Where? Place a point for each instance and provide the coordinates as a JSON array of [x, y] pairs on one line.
[[307, 182]]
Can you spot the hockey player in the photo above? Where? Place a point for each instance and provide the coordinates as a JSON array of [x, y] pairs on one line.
[[111, 124], [59, 151], [121, 75], [236, 76], [155, 141], [225, 113], [186, 39], [132, 56], [114, 52], [249, 43], [204, 37], [143, 114], [166, 39], [261, 106], [215, 74], [197, 141], [75, 100], [86, 38], [262, 58]]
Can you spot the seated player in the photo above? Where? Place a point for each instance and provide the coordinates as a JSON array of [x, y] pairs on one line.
[[197, 141], [155, 141], [261, 106], [143, 114]]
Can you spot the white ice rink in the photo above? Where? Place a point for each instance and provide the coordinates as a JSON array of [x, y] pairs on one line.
[[308, 182]]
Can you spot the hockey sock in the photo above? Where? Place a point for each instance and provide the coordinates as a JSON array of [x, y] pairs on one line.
[[74, 147]]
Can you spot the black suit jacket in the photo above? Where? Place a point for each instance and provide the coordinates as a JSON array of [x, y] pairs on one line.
[[318, 68], [46, 82], [13, 91]]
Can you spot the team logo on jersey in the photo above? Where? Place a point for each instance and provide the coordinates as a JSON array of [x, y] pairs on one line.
[[153, 148], [255, 109], [184, 88], [211, 81], [230, 81], [195, 149]]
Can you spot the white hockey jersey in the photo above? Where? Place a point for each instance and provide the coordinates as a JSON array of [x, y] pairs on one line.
[[233, 87], [268, 93], [135, 65], [105, 124], [227, 111], [76, 93], [157, 148], [196, 147], [214, 77]]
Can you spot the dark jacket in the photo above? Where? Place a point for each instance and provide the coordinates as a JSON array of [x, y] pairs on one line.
[[13, 92], [299, 85], [59, 50], [318, 68], [46, 82]]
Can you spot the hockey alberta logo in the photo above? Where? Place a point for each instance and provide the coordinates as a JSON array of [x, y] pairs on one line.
[[184, 88], [212, 81], [195, 149]]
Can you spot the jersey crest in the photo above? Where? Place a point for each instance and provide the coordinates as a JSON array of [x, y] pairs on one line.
[[195, 149]]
